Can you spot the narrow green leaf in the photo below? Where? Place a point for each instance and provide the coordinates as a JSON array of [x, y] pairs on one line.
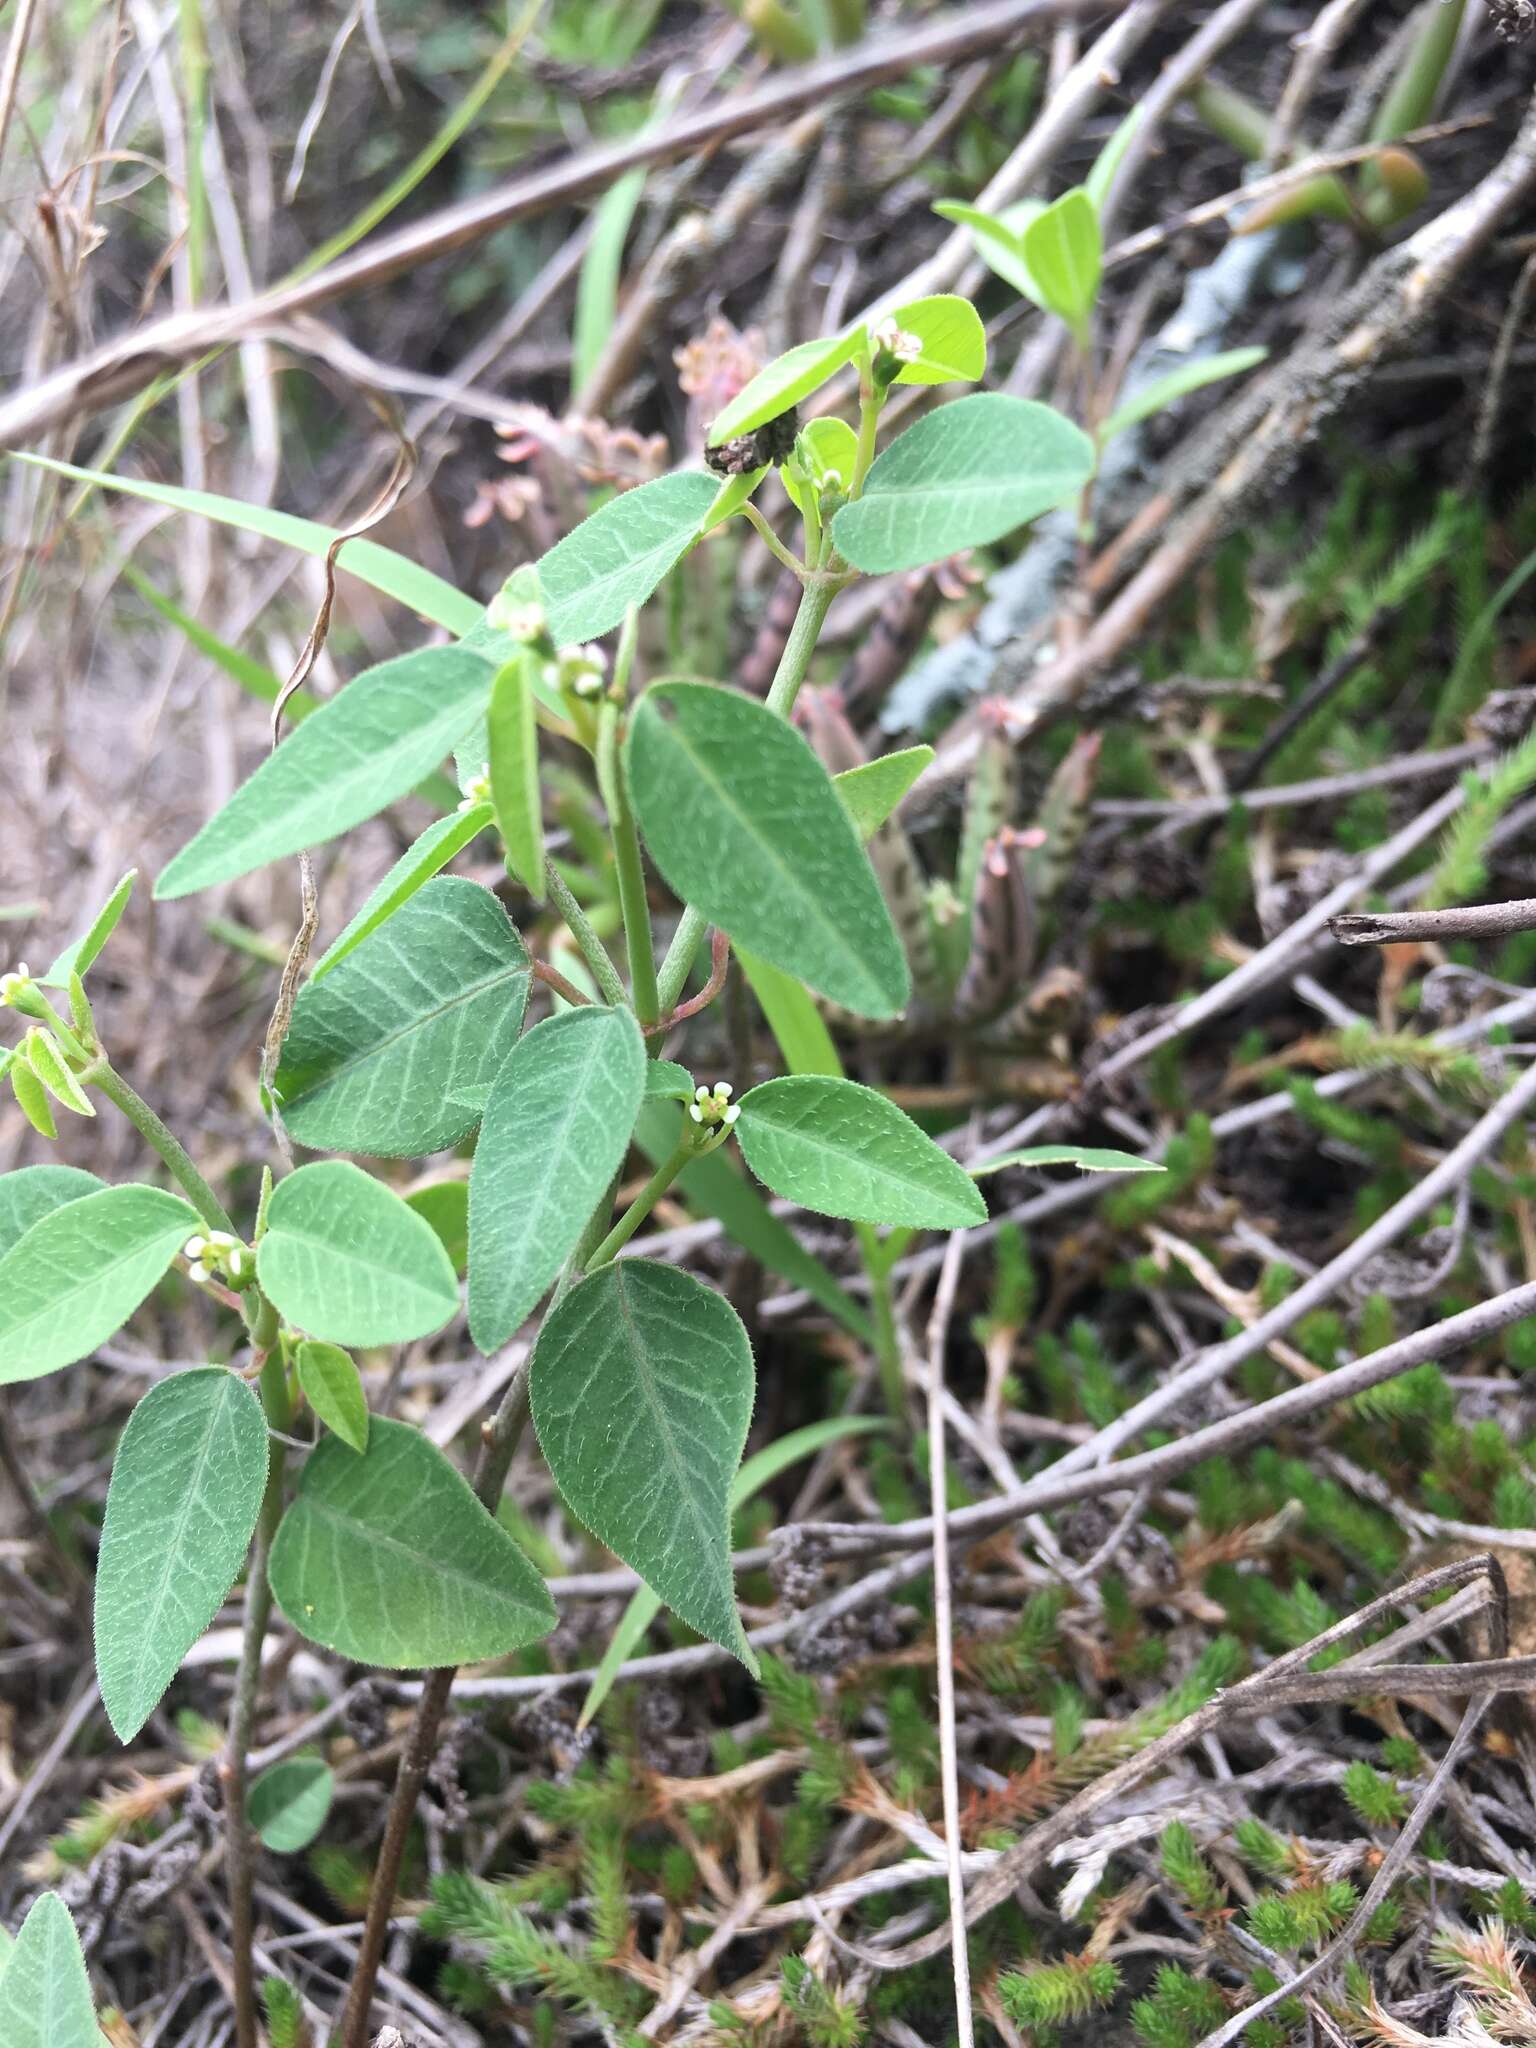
[[344, 1258], [1108, 160], [763, 846], [962, 477], [953, 338], [1163, 391], [78, 957], [874, 789], [1064, 253], [422, 859], [389, 1559], [664, 1078], [641, 1389], [713, 1186], [557, 1126], [1091, 1158], [32, 1192], [381, 567], [797, 1025], [597, 286], [759, 1471], [371, 743], [424, 1008], [618, 556], [185, 1492], [333, 1387], [78, 1273], [513, 736], [845, 1150], [445, 1206], [288, 1804], [252, 676], [45, 1994], [784, 382]]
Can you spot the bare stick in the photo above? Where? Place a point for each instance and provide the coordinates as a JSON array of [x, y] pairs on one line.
[[1394, 927], [127, 365]]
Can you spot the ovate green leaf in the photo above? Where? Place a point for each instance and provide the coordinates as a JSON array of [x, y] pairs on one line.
[[287, 1805], [346, 1259], [45, 1993], [755, 1474], [662, 1077], [425, 1008], [78, 1274], [333, 1387], [557, 1126], [445, 1205], [783, 383], [513, 737], [874, 789], [641, 1388], [618, 556], [1064, 253], [186, 1489], [78, 957], [389, 1559], [422, 859], [744, 823], [371, 743], [953, 338], [845, 1150], [965, 476], [32, 1192]]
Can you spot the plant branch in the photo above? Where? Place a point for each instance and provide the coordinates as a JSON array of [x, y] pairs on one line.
[[1396, 927], [233, 1770], [642, 1205], [498, 1443], [163, 1139], [592, 949]]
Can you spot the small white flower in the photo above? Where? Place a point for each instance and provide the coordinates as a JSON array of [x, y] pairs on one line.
[[476, 791], [15, 984], [891, 340], [194, 1247]]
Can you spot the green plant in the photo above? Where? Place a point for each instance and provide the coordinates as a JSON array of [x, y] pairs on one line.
[[407, 1038]]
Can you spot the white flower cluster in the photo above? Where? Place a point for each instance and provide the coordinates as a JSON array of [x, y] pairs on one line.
[[15, 985], [891, 340], [581, 670], [714, 1105], [215, 1256]]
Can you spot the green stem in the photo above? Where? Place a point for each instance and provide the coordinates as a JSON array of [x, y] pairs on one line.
[[878, 1266], [771, 541], [795, 661], [593, 951], [678, 965], [157, 1134], [626, 853], [642, 1205], [869, 421], [239, 1859]]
